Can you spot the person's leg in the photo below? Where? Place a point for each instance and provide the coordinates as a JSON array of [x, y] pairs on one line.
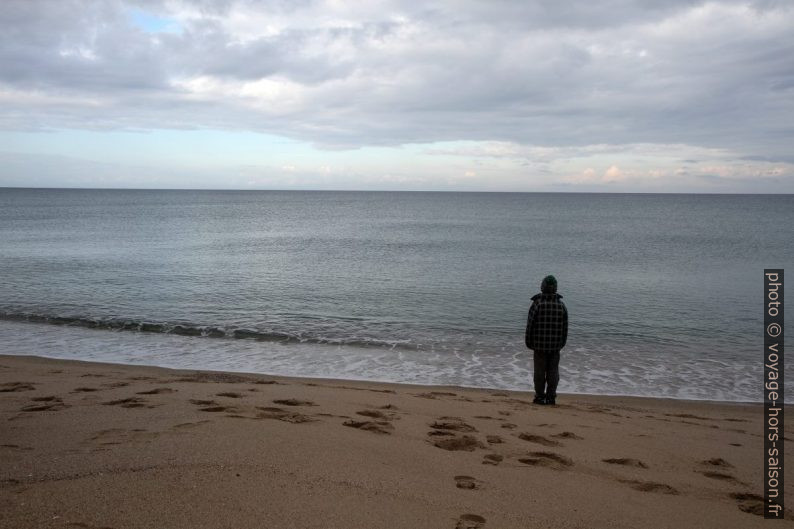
[[552, 375], [539, 376]]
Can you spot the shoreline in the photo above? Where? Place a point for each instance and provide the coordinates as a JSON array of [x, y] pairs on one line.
[[580, 374], [90, 444], [527, 391]]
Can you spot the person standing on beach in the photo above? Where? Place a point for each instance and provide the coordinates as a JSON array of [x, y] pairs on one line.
[[547, 332]]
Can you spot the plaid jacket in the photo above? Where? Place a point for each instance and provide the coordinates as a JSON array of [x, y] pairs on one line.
[[547, 324]]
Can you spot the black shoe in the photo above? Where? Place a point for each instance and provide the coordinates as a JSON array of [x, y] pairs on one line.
[[539, 400], [551, 401]]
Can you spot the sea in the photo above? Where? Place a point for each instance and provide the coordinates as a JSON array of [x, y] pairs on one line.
[[664, 291]]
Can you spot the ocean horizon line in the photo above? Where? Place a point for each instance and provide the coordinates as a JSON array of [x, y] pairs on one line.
[[437, 191]]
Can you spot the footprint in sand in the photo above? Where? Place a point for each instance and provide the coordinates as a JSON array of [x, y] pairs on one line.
[[16, 447], [749, 502], [375, 414], [84, 390], [49, 403], [381, 427], [538, 439], [156, 391], [754, 504], [230, 394], [116, 384], [625, 461], [649, 486], [131, 402], [494, 439], [716, 462], [446, 427], [452, 423], [83, 525], [721, 476], [380, 423], [467, 482], [9, 387], [492, 459], [218, 409], [719, 463], [50, 398], [55, 406], [470, 521], [282, 415], [188, 425], [294, 402], [211, 406], [568, 435], [467, 443], [440, 433], [547, 459]]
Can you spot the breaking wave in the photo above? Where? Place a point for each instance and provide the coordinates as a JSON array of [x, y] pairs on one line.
[[190, 329]]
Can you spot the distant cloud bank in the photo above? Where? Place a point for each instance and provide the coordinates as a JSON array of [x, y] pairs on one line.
[[512, 95]]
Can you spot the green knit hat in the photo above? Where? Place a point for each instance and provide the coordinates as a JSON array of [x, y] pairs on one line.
[[549, 284]]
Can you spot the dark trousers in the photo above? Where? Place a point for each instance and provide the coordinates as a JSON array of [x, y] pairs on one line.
[[547, 374]]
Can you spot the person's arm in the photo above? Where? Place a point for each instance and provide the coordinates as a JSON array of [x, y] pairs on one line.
[[530, 320], [564, 325]]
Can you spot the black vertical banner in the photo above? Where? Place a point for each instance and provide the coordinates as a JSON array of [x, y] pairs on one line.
[[773, 394]]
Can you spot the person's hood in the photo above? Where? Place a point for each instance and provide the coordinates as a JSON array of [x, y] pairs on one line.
[[547, 296]]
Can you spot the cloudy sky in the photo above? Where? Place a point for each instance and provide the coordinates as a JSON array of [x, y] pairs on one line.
[[610, 95]]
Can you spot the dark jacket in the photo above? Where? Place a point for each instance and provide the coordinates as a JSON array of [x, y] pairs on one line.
[[547, 323]]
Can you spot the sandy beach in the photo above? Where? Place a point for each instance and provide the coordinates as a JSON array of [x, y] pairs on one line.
[[89, 445]]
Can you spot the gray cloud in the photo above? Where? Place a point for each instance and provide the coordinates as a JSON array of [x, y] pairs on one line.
[[534, 73]]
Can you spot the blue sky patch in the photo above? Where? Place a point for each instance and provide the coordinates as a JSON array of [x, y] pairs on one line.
[[153, 23]]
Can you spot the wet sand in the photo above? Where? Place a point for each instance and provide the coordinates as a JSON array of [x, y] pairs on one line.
[[89, 445]]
